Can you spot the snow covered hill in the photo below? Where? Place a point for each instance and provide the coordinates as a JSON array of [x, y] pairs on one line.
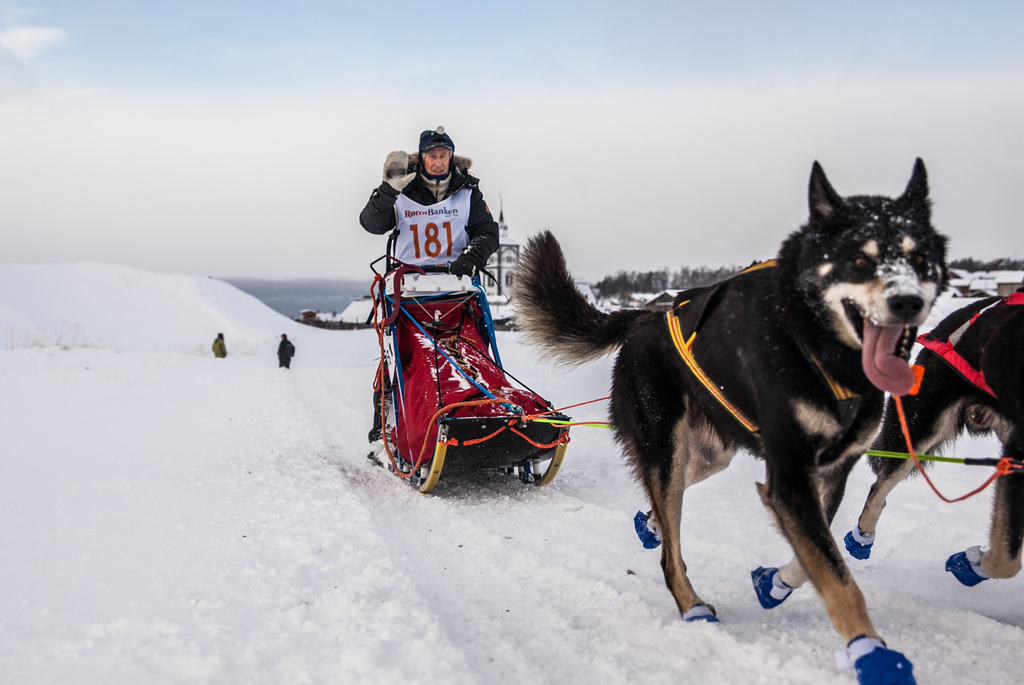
[[117, 307], [168, 517]]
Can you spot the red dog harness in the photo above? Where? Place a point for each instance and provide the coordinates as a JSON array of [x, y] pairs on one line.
[[945, 348]]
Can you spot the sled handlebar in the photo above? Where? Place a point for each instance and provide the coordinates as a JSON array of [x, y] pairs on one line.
[[394, 264]]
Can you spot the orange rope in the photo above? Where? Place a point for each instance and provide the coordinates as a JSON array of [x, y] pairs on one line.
[[563, 438], [1005, 466], [379, 379], [571, 406], [466, 443], [437, 415]]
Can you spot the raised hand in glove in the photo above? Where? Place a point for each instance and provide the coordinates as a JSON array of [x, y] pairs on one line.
[[463, 266], [396, 170]]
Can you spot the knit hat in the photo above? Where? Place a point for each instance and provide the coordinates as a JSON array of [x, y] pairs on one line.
[[436, 138]]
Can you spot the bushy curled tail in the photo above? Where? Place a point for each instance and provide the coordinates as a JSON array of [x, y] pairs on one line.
[[553, 312]]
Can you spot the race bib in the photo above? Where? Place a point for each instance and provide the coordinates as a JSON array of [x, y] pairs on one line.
[[432, 234]]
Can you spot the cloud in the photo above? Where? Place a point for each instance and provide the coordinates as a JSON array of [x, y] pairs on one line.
[[27, 43], [15, 77], [635, 179]]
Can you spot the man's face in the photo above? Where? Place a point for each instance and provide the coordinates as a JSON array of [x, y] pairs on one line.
[[436, 161]]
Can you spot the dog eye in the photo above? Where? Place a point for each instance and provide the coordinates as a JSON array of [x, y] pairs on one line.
[[861, 262], [917, 259]]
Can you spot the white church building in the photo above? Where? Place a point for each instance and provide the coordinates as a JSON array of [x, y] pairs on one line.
[[502, 264]]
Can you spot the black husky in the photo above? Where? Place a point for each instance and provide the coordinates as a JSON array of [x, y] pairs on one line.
[[973, 380], [787, 360]]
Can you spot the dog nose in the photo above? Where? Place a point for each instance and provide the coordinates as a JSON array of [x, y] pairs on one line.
[[906, 307]]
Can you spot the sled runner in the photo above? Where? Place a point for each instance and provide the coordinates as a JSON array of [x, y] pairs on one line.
[[449, 407]]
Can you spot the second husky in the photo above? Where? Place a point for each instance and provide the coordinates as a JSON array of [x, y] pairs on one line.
[[974, 380], [788, 360]]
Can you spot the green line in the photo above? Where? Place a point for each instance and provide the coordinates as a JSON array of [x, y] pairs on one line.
[[904, 455], [558, 422]]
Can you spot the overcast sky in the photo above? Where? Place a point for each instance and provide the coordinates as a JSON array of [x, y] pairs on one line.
[[241, 138]]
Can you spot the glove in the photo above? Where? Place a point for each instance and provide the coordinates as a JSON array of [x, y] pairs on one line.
[[463, 266], [396, 167]]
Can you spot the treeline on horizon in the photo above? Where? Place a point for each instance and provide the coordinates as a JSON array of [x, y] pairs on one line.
[[972, 264], [625, 283]]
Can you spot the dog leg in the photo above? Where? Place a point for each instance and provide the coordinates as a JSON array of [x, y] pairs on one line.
[[875, 502], [1003, 558], [668, 509], [793, 574], [831, 490], [929, 426], [665, 491], [793, 499], [669, 449]]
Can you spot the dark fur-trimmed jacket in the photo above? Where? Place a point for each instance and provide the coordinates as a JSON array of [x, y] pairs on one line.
[[378, 216]]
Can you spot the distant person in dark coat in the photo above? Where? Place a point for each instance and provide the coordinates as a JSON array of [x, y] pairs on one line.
[[220, 350], [285, 352]]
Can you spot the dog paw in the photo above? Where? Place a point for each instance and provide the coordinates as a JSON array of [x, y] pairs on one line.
[[770, 590], [701, 612], [877, 665], [858, 544], [966, 566], [646, 531]]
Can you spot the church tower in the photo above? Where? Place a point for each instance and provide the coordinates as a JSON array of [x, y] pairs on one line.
[[502, 263]]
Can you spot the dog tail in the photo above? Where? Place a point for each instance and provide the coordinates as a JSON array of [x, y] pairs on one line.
[[553, 312]]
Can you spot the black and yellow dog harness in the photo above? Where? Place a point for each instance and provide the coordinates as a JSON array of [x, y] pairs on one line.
[[848, 402]]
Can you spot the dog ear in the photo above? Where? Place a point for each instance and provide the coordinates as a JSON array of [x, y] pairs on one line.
[[917, 187], [821, 198]]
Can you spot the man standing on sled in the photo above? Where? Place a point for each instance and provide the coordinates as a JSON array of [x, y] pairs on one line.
[[439, 215]]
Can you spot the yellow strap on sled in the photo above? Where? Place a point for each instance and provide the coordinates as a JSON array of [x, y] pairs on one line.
[[685, 351]]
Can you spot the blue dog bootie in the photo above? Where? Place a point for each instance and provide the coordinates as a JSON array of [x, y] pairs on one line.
[[770, 590], [966, 566], [874, 664], [646, 530], [700, 612], [858, 544]]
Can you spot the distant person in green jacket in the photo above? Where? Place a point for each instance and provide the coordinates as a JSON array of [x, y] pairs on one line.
[[219, 348]]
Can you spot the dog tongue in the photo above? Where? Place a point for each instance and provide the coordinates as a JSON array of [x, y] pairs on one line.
[[884, 369]]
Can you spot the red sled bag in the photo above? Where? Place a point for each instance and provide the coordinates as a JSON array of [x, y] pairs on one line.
[[454, 407]]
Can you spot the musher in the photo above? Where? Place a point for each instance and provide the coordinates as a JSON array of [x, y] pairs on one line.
[[439, 214]]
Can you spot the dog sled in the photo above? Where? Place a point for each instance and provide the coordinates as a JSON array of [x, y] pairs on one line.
[[448, 407]]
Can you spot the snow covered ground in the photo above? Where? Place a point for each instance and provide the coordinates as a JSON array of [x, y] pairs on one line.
[[168, 517]]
